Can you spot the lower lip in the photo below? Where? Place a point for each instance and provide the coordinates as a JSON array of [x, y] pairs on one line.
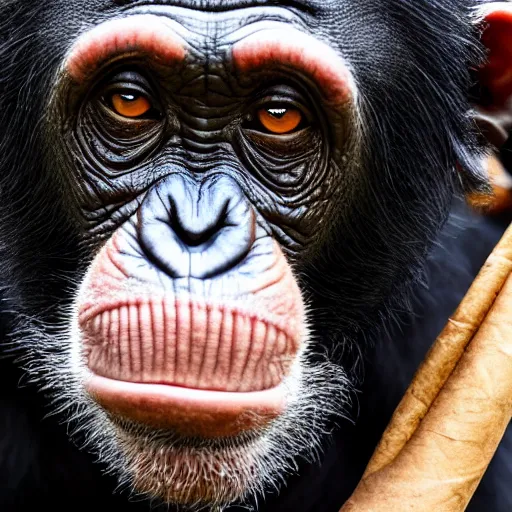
[[188, 412]]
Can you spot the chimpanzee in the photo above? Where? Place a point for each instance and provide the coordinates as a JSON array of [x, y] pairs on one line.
[[229, 231]]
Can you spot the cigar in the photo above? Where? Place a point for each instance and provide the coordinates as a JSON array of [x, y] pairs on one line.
[[452, 418]]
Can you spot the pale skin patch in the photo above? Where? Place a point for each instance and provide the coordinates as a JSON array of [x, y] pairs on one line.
[[147, 34], [300, 51]]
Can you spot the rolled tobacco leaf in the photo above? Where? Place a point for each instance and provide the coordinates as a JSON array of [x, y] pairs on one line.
[[452, 418]]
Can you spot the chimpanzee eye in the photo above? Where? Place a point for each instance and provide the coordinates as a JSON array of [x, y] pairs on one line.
[[130, 104], [130, 95], [280, 120]]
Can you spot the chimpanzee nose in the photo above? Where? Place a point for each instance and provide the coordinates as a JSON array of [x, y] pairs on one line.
[[191, 229]]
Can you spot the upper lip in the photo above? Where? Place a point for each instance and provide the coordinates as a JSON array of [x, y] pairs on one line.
[[223, 5]]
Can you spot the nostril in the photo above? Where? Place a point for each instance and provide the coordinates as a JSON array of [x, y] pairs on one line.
[[193, 235], [195, 238]]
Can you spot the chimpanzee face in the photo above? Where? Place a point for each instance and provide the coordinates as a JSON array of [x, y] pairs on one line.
[[242, 188], [205, 174]]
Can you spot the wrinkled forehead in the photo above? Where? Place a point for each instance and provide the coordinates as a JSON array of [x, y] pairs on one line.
[[209, 31], [210, 23]]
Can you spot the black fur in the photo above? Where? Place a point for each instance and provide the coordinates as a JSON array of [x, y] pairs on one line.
[[379, 309]]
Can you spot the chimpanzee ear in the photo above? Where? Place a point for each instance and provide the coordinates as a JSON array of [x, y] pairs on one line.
[[493, 99], [496, 75], [494, 103]]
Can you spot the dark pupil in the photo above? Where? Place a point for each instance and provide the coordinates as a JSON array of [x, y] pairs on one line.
[[278, 113]]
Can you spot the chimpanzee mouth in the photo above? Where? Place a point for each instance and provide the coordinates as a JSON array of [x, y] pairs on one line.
[[187, 365]]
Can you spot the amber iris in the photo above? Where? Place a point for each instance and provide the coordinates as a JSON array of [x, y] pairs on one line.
[[130, 104], [280, 121]]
